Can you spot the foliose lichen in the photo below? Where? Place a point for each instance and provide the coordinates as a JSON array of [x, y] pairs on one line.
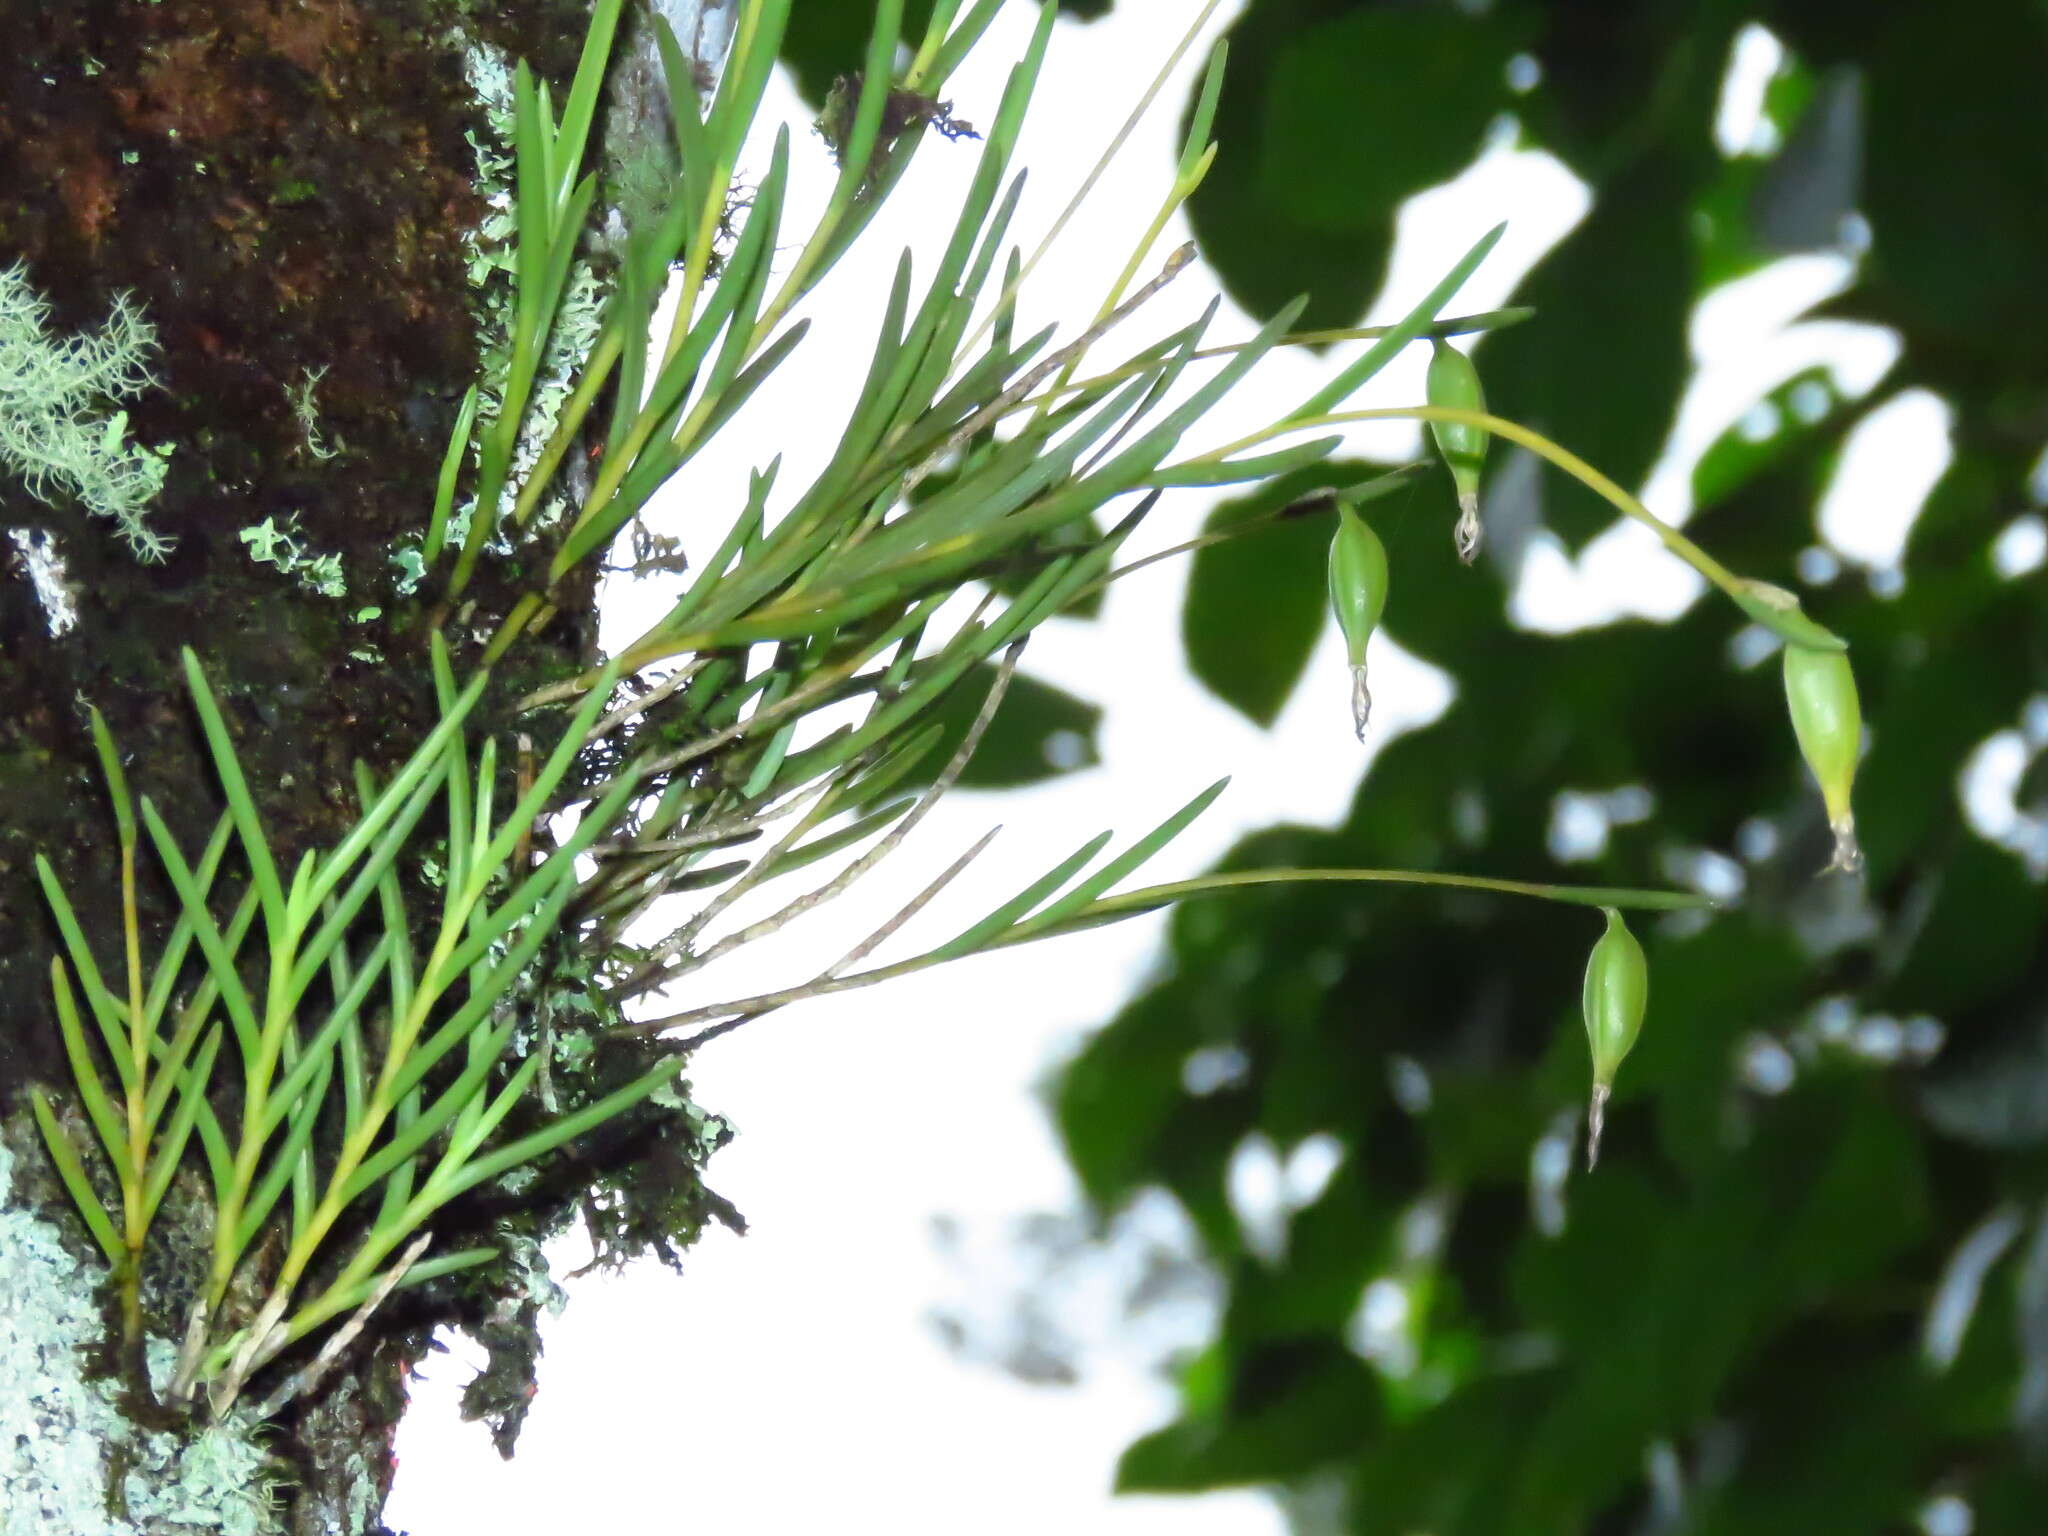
[[578, 320], [270, 544]]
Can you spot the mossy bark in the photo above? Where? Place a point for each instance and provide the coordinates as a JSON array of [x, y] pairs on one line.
[[286, 189]]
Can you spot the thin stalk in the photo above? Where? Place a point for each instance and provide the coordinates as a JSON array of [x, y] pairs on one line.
[[1102, 163], [1744, 594], [1131, 903], [1457, 325], [134, 1176], [1177, 194]]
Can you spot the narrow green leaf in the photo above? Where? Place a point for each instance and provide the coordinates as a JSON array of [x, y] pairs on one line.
[[740, 90], [633, 314], [537, 888], [341, 911], [598, 533], [220, 1158], [195, 1014], [1158, 440], [1203, 118], [1260, 466], [692, 148], [338, 1302], [935, 27], [347, 1008], [957, 46], [745, 528], [545, 780], [580, 107], [1412, 325], [220, 959], [568, 1128], [531, 204], [72, 1172], [426, 758], [433, 1117], [451, 471], [478, 1131], [241, 805], [107, 1012], [877, 80], [117, 781], [1023, 902], [484, 995], [191, 1099], [171, 962], [285, 1160], [90, 1090], [766, 211], [823, 847], [1131, 858]]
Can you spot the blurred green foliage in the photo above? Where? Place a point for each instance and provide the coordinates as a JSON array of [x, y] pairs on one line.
[[826, 38], [1752, 1318]]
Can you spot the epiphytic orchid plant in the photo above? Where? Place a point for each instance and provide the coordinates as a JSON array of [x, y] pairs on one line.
[[351, 1065]]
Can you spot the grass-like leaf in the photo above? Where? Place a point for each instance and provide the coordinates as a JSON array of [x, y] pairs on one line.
[[72, 1171], [1024, 901]]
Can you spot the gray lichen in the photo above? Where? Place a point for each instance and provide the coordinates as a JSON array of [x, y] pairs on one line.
[[578, 320], [70, 1460]]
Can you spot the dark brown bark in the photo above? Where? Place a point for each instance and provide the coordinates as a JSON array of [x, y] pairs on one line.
[[285, 188]]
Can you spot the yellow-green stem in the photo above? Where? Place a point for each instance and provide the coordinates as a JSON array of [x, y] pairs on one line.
[[1102, 162], [256, 1082], [1537, 444], [134, 1177], [1175, 196], [1571, 895]]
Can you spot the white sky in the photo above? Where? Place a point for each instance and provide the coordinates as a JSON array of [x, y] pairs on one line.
[[791, 1381]]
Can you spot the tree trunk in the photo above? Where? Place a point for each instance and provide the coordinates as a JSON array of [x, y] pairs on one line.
[[287, 193]]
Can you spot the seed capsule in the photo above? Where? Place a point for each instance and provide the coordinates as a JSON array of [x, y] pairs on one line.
[[1617, 992], [1453, 381], [1358, 595], [1820, 690]]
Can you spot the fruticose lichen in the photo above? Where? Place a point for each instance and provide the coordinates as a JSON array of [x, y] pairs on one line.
[[70, 1460], [54, 426]]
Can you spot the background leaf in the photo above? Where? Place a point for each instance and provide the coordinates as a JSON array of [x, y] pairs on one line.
[[1256, 603], [1329, 116]]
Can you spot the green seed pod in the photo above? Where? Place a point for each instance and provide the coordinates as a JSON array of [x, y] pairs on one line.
[[1820, 690], [1453, 381], [1617, 992], [1358, 595]]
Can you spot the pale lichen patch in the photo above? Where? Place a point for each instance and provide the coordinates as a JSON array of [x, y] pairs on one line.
[[38, 558], [62, 1433]]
